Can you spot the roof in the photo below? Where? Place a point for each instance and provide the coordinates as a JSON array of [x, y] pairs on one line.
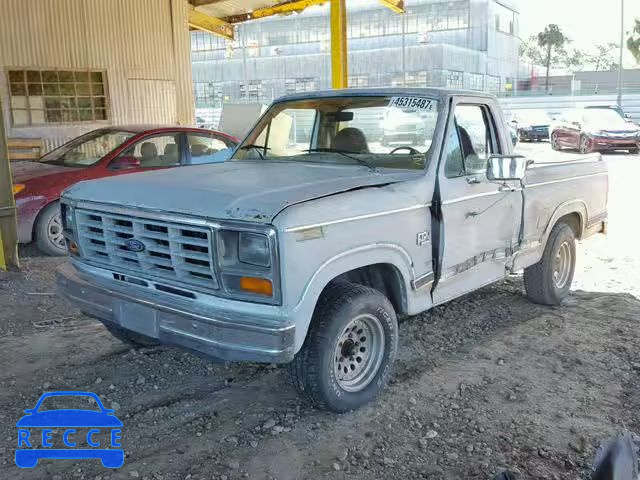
[[384, 92]]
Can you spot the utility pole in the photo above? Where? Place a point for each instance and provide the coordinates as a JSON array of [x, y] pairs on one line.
[[620, 66], [8, 231]]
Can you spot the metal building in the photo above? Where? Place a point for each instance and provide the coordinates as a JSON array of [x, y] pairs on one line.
[[457, 43], [69, 66]]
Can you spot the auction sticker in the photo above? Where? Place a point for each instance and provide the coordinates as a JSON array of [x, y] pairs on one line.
[[412, 103]]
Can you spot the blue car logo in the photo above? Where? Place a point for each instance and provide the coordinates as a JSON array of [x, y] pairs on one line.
[[84, 432], [134, 245]]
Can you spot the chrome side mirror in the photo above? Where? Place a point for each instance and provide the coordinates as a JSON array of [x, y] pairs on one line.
[[501, 168]]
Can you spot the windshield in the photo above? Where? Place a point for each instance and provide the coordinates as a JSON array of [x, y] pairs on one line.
[[88, 149], [604, 118], [375, 132]]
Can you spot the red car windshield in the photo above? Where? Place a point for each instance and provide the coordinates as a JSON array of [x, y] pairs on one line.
[[88, 149]]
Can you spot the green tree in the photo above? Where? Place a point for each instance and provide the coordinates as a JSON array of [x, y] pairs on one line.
[[604, 59], [549, 39], [633, 43]]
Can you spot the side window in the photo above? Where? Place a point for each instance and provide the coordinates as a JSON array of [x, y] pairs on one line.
[[155, 152], [454, 163], [476, 141], [204, 148]]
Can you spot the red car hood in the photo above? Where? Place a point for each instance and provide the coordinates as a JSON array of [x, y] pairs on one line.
[[23, 171]]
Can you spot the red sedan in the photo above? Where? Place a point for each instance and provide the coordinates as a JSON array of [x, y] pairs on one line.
[[102, 153], [595, 130]]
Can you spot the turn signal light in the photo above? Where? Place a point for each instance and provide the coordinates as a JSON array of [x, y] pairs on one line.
[[256, 285], [18, 187], [73, 247]]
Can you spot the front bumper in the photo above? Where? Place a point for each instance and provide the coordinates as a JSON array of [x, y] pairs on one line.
[[213, 331], [534, 134], [609, 143]]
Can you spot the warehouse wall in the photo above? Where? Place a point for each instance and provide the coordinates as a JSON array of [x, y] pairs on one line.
[[142, 46]]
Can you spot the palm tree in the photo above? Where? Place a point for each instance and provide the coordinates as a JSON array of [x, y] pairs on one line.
[[633, 43], [552, 37]]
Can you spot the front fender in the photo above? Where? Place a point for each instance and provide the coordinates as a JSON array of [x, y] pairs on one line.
[[571, 206], [345, 261]]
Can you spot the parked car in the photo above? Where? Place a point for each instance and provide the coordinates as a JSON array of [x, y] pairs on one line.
[[595, 129], [102, 153], [401, 128], [531, 125], [308, 253], [513, 133]]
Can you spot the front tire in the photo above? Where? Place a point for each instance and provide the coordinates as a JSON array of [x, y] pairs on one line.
[[350, 348], [554, 142], [585, 145], [548, 282], [48, 230], [634, 151]]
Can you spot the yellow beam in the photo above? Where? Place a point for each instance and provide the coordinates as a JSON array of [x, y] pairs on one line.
[[339, 57], [207, 23], [395, 5], [8, 228], [294, 6]]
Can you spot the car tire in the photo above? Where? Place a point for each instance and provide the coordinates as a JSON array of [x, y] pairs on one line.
[[554, 142], [48, 231], [548, 282], [350, 348], [132, 338], [585, 145], [634, 151]]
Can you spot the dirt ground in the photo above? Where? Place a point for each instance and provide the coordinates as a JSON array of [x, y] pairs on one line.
[[486, 382]]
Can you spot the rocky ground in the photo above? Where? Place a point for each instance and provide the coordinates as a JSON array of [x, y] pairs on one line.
[[486, 382]]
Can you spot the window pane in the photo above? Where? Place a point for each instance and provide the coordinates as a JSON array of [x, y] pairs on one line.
[[54, 116], [37, 116], [34, 76], [96, 77], [82, 76], [66, 76], [86, 114], [475, 138], [68, 102], [52, 103], [36, 102], [49, 76], [19, 102], [83, 89], [18, 89], [160, 151], [97, 89], [99, 102], [84, 102], [101, 114], [16, 76], [20, 117], [67, 89], [52, 89], [35, 89], [454, 164]]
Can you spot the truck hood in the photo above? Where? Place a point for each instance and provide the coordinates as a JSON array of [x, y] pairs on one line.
[[24, 171], [242, 190]]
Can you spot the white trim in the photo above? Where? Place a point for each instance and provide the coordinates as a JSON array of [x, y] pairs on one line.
[[470, 197], [565, 180], [359, 217]]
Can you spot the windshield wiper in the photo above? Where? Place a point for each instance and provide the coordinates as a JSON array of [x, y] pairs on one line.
[[257, 148], [369, 165]]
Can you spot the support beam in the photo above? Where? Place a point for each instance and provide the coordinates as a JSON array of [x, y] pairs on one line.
[[339, 56], [395, 5], [8, 228], [209, 24], [294, 6]]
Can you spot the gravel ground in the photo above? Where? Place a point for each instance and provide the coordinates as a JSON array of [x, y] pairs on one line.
[[486, 382]]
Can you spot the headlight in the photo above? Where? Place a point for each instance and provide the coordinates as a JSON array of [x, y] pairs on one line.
[[247, 263], [66, 213], [253, 248], [18, 187]]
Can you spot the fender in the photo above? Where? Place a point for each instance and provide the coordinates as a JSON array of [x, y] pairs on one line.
[[361, 256], [571, 206]]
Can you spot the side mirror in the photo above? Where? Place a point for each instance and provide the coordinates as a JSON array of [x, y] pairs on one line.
[[626, 115], [125, 162], [501, 168]]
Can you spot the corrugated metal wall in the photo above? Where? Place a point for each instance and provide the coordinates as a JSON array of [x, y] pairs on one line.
[[132, 41]]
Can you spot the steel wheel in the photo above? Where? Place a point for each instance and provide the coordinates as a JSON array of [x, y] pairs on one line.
[[584, 145], [359, 353], [54, 231], [562, 265], [554, 141]]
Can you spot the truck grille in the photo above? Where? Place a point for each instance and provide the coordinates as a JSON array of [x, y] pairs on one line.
[[178, 252]]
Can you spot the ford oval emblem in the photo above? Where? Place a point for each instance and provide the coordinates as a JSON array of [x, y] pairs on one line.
[[134, 245]]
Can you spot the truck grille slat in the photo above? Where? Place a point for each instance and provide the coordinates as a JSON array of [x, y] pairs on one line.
[[179, 252]]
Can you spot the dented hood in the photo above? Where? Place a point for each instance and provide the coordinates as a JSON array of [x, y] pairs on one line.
[[242, 190]]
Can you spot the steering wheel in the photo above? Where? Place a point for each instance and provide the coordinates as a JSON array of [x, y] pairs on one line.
[[412, 150]]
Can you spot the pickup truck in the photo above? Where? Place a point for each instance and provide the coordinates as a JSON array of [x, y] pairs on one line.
[[304, 249]]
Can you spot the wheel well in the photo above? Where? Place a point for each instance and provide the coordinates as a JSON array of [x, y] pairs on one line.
[[385, 278], [574, 221], [34, 227]]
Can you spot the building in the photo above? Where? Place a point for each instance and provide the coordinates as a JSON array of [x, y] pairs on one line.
[[69, 67], [455, 43]]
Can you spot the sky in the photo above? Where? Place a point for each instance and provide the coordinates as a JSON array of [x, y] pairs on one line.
[[586, 22]]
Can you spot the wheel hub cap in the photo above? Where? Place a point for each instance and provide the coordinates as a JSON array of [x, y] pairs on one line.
[[359, 353], [54, 230], [562, 265]]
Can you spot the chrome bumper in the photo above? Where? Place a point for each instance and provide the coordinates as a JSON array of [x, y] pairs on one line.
[[213, 332]]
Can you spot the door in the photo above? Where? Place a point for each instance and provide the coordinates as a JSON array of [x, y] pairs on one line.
[[481, 220], [207, 147], [574, 128]]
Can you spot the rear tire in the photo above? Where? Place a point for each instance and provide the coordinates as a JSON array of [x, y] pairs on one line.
[[548, 282], [48, 230], [554, 142], [634, 151], [132, 338], [350, 348]]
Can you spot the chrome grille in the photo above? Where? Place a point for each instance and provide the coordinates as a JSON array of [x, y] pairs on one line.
[[173, 251]]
